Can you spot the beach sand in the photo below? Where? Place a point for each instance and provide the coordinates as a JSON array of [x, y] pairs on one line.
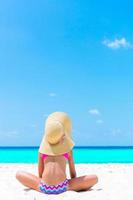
[[115, 183]]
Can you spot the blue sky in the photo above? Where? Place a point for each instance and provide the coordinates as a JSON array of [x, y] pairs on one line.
[[72, 56]]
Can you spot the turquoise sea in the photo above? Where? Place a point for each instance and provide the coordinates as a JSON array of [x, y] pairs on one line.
[[81, 154]]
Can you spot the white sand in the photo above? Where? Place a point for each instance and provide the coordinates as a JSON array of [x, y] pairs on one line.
[[115, 183]]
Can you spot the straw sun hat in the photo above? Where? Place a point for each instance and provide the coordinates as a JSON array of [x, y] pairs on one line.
[[58, 125]]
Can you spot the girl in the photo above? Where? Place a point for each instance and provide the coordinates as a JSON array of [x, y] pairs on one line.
[[54, 152]]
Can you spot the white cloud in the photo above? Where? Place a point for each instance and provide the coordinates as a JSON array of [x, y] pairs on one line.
[[99, 121], [52, 94], [94, 111], [12, 133], [117, 43], [116, 131], [33, 125]]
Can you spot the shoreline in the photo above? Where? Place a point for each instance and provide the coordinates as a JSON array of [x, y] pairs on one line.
[[115, 182]]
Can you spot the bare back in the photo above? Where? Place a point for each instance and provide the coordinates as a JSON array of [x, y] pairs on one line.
[[54, 169]]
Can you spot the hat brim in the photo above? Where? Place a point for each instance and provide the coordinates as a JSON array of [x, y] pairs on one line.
[[56, 149]]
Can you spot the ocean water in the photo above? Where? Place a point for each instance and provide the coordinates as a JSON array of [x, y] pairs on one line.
[[81, 154]]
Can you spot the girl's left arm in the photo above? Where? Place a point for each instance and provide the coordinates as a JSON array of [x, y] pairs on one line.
[[40, 165]]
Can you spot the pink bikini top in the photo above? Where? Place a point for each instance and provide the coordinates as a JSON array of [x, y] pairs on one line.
[[44, 156]]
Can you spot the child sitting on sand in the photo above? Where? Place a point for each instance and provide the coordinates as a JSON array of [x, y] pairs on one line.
[[55, 150]]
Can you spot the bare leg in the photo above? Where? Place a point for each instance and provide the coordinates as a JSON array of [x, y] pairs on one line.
[[28, 180], [76, 184], [82, 182]]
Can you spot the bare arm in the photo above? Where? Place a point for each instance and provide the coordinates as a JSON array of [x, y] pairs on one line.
[[71, 165], [40, 165]]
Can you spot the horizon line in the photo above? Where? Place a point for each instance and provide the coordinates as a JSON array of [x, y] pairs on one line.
[[81, 146]]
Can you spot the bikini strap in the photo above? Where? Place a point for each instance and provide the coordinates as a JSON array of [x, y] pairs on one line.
[[66, 155], [44, 156]]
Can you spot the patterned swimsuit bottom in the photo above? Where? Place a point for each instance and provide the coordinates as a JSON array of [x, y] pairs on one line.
[[53, 189]]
